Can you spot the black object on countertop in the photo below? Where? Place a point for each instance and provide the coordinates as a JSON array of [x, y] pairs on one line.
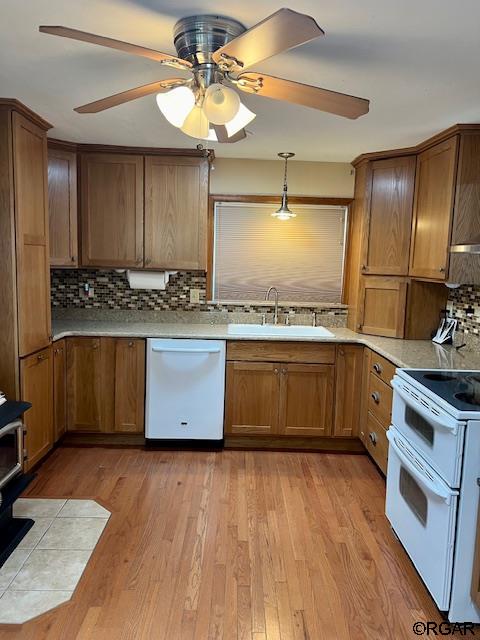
[[12, 410]]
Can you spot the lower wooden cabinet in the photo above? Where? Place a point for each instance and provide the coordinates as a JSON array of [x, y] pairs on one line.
[[36, 381], [59, 390], [272, 398], [348, 390], [252, 398], [306, 399], [105, 384], [129, 400]]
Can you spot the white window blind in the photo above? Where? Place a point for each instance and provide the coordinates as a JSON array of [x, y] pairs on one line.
[[302, 257]]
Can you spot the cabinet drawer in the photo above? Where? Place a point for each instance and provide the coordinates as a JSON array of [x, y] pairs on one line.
[[376, 442], [381, 367], [263, 351], [379, 400]]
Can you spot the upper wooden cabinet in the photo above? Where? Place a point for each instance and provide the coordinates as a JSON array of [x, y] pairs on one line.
[[31, 225], [388, 216], [111, 210], [433, 210], [62, 207], [382, 306], [176, 201]]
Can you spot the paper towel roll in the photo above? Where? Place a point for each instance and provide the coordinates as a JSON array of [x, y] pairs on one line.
[[149, 279]]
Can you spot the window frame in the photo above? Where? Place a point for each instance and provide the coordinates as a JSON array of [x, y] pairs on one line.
[[273, 200]]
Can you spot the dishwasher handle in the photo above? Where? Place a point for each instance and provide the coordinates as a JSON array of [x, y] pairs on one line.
[[185, 350]]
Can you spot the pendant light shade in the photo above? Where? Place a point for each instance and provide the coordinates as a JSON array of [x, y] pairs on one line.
[[196, 124], [221, 104], [176, 104], [284, 213], [244, 116]]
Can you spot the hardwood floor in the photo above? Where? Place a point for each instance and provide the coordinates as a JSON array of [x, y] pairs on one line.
[[248, 545]]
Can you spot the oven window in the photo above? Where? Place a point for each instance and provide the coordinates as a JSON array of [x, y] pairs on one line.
[[413, 496], [418, 424], [8, 453]]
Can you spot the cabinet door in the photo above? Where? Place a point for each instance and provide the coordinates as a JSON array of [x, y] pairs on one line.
[[388, 221], [306, 399], [59, 390], [112, 210], [252, 397], [86, 393], [62, 208], [176, 201], [434, 193], [348, 390], [36, 382], [382, 306], [129, 385], [31, 213]]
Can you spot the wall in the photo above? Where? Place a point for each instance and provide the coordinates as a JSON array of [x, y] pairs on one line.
[[265, 177]]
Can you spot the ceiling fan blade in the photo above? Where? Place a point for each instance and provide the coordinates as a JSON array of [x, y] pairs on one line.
[[341, 104], [131, 94], [126, 47], [281, 31], [222, 134]]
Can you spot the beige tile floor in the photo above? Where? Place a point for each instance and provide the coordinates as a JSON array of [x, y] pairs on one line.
[[45, 568]]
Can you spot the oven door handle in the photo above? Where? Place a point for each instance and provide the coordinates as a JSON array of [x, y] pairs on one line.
[[447, 424], [433, 487]]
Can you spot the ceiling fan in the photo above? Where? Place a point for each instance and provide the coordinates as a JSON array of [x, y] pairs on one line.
[[217, 50]]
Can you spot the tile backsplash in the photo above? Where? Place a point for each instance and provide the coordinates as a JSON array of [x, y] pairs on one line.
[[110, 290], [464, 305]]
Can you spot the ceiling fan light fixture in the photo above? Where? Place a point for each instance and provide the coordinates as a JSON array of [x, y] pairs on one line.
[[196, 124], [221, 104], [176, 104], [244, 116]]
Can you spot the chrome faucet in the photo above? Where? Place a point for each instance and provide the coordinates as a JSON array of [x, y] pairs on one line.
[[267, 297]]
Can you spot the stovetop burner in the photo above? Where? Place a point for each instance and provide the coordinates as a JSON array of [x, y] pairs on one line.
[[461, 389]]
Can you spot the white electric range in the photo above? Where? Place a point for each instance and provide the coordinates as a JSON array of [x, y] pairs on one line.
[[433, 482]]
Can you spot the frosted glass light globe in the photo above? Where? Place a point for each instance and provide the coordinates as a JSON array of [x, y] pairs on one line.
[[196, 124], [176, 104], [221, 104]]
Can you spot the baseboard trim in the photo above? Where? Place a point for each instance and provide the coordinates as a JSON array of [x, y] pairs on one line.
[[291, 443]]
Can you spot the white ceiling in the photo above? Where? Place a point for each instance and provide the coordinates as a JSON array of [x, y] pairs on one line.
[[416, 60]]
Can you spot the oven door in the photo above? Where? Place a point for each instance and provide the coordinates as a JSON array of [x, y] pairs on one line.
[[433, 433], [422, 511]]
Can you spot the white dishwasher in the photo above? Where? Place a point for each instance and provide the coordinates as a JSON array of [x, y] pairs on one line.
[[185, 390]]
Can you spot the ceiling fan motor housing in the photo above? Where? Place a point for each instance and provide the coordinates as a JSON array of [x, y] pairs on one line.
[[197, 37]]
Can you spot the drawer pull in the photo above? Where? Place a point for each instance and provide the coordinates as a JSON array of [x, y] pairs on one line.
[[375, 396], [377, 368], [373, 437]]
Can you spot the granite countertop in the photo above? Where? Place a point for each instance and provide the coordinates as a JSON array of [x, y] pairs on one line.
[[403, 353]]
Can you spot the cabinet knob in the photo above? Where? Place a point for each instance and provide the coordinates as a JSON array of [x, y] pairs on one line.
[[359, 327], [95, 345], [41, 356], [130, 344], [284, 371], [275, 371], [442, 269], [341, 351], [148, 261], [364, 267], [375, 396], [373, 437], [377, 368], [73, 258]]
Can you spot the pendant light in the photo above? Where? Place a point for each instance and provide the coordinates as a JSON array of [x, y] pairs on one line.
[[284, 213]]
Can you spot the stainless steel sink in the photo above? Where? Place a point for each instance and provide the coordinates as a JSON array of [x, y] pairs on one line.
[[294, 331]]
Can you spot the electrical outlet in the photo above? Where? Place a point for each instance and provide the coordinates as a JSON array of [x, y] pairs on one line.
[[194, 296]]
